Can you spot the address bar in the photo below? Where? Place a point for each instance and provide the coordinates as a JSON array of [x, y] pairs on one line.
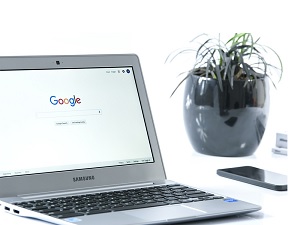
[[88, 112]]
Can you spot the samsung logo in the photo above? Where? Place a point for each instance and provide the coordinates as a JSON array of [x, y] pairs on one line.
[[83, 178]]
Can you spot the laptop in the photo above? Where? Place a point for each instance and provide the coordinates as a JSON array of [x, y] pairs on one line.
[[78, 146]]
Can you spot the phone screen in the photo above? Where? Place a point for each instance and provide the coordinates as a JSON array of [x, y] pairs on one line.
[[256, 176]]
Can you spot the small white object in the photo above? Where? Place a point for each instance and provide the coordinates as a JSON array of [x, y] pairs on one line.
[[281, 144]]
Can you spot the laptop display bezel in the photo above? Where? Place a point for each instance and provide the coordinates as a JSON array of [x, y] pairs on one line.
[[95, 177]]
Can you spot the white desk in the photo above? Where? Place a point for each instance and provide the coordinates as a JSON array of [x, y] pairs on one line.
[[189, 167]]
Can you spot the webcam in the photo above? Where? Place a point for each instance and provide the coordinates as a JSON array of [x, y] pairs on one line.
[[57, 62]]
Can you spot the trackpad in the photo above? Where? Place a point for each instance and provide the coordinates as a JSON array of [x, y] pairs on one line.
[[165, 213]]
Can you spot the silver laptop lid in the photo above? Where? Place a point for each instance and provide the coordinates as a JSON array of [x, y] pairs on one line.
[[73, 122]]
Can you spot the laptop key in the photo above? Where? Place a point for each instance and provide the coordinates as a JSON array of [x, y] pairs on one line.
[[185, 200], [67, 215], [199, 195], [62, 212], [140, 206], [51, 210], [38, 208], [91, 212], [172, 202]]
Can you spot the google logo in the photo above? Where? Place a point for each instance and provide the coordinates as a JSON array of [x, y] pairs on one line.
[[72, 101]]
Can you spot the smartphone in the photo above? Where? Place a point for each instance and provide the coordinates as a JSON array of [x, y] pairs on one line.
[[256, 176]]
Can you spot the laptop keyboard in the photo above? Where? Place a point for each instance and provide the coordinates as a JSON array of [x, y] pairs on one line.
[[104, 202]]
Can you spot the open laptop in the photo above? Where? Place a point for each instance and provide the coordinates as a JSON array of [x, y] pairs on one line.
[[78, 130]]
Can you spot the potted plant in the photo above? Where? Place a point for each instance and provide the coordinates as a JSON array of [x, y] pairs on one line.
[[226, 98]]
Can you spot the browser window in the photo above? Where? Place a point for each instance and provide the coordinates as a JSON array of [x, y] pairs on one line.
[[70, 119]]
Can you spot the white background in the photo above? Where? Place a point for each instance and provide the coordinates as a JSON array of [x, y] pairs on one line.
[[150, 29], [153, 29]]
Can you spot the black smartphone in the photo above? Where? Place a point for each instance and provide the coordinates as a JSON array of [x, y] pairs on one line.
[[256, 176]]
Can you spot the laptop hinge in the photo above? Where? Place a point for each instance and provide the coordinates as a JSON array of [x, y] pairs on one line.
[[82, 191]]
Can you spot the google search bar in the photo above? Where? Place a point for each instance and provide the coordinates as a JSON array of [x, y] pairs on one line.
[[89, 112]]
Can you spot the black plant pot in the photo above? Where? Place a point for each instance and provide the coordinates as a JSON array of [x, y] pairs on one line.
[[229, 122]]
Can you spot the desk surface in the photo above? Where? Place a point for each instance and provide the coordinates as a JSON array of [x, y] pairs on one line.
[[189, 167]]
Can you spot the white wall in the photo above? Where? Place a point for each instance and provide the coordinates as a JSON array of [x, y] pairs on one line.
[[152, 29]]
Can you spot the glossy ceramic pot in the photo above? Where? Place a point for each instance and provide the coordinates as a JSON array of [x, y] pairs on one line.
[[225, 123]]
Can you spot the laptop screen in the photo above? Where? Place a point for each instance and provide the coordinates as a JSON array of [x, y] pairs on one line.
[[69, 119]]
